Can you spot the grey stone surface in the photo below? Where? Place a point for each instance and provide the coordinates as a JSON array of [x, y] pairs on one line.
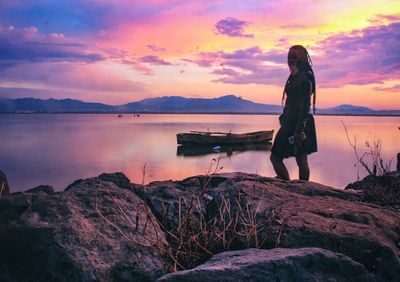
[[95, 231], [305, 214], [41, 188], [99, 229], [284, 265], [118, 178]]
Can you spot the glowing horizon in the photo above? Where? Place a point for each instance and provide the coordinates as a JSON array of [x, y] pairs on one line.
[[126, 51]]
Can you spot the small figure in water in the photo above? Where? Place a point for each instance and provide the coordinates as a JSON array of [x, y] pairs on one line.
[[296, 136]]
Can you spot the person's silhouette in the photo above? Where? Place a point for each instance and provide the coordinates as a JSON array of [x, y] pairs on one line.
[[296, 136]]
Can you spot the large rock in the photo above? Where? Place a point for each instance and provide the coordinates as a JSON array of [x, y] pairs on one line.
[[284, 265], [100, 229], [380, 189], [4, 188], [118, 178], [290, 214], [12, 205], [94, 231]]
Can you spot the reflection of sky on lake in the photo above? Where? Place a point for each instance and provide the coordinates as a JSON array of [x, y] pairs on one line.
[[58, 149]]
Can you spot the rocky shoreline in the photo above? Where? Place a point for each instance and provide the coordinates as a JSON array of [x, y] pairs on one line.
[[222, 227]]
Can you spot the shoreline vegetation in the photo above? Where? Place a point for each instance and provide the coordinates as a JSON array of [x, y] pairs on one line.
[[218, 225]]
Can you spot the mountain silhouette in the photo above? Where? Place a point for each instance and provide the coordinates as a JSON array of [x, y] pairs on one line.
[[169, 104]]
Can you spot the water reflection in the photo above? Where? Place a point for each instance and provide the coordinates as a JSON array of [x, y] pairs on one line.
[[231, 150], [58, 149]]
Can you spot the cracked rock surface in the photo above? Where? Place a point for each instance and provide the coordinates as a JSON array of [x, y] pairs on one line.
[[108, 229]]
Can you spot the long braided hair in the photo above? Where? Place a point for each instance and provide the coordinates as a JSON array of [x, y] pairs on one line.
[[299, 56]]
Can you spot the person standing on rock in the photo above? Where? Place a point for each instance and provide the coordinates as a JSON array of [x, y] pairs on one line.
[[296, 136]]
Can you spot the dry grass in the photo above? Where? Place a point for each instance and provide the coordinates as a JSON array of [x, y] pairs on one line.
[[371, 159], [211, 171], [229, 222], [2, 189], [235, 222], [139, 235], [378, 186]]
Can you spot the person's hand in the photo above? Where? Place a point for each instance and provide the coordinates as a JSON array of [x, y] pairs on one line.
[[299, 137]]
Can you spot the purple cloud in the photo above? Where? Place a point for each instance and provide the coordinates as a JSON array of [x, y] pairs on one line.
[[225, 71], [81, 17], [22, 45], [155, 48], [284, 41], [358, 57], [141, 64], [29, 45], [207, 59], [232, 27], [270, 76], [154, 60], [394, 88], [381, 19], [245, 66], [239, 58]]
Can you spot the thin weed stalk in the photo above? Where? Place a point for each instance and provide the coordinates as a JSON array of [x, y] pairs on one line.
[[371, 159], [2, 189]]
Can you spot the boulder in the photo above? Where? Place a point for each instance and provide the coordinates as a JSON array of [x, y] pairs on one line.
[[118, 178], [4, 188], [94, 231], [284, 265], [47, 189], [12, 205], [107, 229], [255, 211], [380, 189]]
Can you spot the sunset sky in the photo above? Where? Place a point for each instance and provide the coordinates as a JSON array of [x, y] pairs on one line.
[[122, 51]]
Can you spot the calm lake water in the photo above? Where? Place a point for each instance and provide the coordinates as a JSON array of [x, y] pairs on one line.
[[58, 149]]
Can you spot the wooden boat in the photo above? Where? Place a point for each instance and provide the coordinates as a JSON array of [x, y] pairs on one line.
[[223, 138]]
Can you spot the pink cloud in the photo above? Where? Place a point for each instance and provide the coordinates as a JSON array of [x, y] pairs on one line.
[[134, 64], [89, 77], [293, 26]]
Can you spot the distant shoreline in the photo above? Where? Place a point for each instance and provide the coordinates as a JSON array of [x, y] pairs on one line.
[[224, 105], [188, 113]]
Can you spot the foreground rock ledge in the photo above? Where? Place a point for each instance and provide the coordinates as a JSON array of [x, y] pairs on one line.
[[306, 264], [99, 229], [79, 234]]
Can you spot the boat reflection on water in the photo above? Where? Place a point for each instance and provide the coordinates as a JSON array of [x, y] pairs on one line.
[[202, 150]]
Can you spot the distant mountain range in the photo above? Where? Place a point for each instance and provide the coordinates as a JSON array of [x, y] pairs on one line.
[[169, 104]]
